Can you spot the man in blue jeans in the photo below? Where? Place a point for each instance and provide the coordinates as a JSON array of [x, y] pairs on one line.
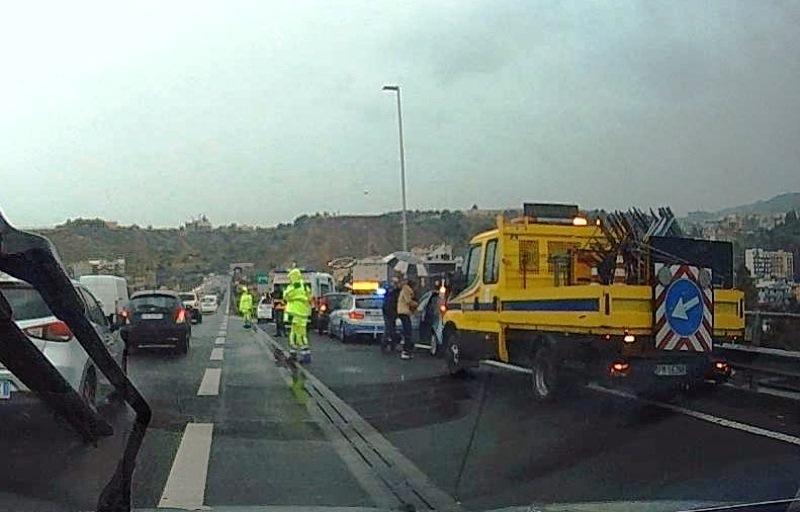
[[390, 314]]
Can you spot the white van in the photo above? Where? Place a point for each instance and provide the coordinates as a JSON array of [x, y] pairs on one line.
[[321, 284], [111, 291]]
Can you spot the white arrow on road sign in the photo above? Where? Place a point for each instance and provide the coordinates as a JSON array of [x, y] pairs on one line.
[[681, 308]]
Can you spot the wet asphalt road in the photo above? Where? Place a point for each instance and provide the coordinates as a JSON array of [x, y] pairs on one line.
[[479, 439], [484, 441]]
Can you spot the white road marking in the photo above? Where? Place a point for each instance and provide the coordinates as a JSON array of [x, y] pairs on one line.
[[217, 354], [209, 386], [222, 334], [220, 340], [716, 420], [186, 484]]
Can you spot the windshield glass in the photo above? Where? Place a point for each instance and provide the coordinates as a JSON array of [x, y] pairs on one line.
[[607, 194], [473, 263]]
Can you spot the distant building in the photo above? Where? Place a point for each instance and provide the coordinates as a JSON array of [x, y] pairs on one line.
[[145, 281], [776, 292], [764, 264], [98, 267], [371, 268], [438, 260], [782, 263], [442, 252], [757, 262], [199, 224]]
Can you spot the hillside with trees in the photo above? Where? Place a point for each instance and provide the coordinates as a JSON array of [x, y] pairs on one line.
[[311, 241]]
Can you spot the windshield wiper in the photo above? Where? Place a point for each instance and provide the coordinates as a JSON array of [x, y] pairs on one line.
[[33, 258]]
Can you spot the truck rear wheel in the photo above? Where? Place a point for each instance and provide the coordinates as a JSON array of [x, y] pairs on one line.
[[544, 378]]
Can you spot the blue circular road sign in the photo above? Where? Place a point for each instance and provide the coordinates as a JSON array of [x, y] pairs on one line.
[[684, 307]]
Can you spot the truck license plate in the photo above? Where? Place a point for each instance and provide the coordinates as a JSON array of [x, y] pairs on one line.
[[5, 389], [670, 370]]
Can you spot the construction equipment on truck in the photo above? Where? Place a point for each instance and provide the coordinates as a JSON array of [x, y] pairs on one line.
[[621, 298]]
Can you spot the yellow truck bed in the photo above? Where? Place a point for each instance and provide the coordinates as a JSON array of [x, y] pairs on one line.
[[596, 309]]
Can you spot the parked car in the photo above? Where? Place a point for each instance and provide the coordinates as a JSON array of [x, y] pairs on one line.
[[208, 304], [158, 320], [57, 343], [328, 303], [358, 315], [111, 292], [264, 310], [192, 304]]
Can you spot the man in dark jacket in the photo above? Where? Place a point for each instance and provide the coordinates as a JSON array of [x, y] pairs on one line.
[[390, 314]]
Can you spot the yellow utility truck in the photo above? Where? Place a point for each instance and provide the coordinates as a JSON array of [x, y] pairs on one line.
[[623, 298]]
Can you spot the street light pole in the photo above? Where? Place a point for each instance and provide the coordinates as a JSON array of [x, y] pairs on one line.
[[396, 89]]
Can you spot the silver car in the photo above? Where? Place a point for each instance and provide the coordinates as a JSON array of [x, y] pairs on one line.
[[56, 341], [357, 315]]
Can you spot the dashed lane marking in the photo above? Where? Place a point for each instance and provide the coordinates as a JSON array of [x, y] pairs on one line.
[[220, 340], [209, 386], [217, 354], [716, 420], [186, 484]]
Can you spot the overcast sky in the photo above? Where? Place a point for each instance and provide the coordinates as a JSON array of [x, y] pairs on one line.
[[257, 112]]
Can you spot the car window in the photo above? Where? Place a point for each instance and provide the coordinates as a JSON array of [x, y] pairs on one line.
[[93, 309], [491, 263], [187, 296], [148, 302], [369, 303], [26, 303], [336, 301]]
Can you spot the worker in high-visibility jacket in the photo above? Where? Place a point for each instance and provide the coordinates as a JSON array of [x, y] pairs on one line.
[[298, 309], [246, 306]]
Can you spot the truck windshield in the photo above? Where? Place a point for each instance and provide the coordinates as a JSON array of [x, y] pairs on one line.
[[473, 262]]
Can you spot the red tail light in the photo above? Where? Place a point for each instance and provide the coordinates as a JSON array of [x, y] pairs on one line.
[[443, 308], [181, 316], [323, 308], [355, 315], [54, 331], [619, 368], [721, 366]]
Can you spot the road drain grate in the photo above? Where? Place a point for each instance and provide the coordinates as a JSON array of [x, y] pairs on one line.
[[391, 480]]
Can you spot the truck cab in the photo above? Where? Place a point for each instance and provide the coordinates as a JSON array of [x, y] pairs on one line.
[[552, 294]]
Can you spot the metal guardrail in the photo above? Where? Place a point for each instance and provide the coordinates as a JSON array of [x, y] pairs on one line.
[[760, 367], [773, 329], [770, 355]]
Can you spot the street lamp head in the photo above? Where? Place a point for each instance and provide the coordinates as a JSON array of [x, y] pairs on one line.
[[391, 87]]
